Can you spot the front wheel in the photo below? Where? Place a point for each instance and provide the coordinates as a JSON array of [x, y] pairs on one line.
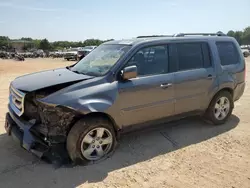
[[90, 139], [220, 108]]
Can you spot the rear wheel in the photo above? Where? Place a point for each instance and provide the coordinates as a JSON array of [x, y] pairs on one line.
[[220, 108], [91, 139]]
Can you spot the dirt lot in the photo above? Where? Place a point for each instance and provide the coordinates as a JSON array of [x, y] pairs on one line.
[[188, 153]]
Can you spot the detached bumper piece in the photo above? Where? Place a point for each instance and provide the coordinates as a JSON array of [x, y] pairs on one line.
[[20, 131]]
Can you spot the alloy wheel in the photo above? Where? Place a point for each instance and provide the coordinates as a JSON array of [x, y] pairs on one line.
[[96, 143], [222, 107]]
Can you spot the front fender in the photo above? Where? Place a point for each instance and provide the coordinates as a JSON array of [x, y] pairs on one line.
[[97, 98], [95, 105], [85, 106]]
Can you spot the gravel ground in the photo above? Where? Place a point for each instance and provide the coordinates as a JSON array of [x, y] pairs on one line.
[[188, 153]]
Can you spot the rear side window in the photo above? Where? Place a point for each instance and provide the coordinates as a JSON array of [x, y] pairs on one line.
[[193, 56], [228, 53]]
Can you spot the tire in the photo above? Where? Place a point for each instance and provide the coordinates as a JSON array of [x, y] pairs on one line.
[[80, 131], [211, 111]]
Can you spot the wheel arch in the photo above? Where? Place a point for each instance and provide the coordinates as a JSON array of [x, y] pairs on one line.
[[100, 115], [228, 89]]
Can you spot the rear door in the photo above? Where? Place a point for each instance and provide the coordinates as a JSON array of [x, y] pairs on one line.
[[194, 77]]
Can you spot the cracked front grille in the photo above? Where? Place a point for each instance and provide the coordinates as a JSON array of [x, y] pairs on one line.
[[16, 100]]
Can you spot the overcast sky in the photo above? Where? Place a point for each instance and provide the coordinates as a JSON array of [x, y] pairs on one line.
[[78, 20]]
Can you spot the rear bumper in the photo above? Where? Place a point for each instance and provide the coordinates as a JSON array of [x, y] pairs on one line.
[[20, 131], [239, 90]]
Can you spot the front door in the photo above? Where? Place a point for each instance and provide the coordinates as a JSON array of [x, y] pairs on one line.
[[150, 96]]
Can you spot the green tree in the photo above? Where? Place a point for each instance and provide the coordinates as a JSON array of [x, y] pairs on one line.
[[45, 45], [68, 44], [246, 36], [231, 33], [243, 37], [238, 36], [36, 43], [92, 42], [27, 38], [4, 42]]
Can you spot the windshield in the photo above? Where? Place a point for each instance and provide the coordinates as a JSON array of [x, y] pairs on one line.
[[100, 60]]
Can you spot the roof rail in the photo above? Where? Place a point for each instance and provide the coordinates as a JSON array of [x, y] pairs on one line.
[[149, 36], [203, 34]]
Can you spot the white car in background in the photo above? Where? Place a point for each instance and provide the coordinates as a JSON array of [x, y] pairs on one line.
[[245, 50]]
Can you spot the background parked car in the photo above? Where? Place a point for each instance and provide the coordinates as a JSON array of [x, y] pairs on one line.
[[84, 51], [4, 55], [71, 54], [245, 50]]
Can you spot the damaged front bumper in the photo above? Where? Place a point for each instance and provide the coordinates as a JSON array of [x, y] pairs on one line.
[[21, 132]]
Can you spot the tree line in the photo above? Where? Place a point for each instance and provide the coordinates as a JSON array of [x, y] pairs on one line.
[[243, 38], [44, 44]]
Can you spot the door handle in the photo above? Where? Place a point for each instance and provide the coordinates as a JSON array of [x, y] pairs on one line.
[[166, 85]]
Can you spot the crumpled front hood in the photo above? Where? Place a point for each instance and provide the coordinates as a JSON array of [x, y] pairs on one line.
[[44, 79]]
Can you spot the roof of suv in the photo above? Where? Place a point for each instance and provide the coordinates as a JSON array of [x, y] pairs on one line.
[[149, 39]]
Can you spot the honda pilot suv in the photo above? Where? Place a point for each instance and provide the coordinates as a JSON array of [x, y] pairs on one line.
[[122, 85]]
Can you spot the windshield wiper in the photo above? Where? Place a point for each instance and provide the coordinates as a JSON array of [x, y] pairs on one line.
[[77, 72], [84, 73], [91, 73], [87, 73]]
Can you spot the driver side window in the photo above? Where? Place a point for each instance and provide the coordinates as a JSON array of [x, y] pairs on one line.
[[151, 60]]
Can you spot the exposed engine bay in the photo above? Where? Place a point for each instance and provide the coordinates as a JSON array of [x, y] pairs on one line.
[[52, 122]]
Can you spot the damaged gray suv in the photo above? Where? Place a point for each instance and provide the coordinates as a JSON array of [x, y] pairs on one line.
[[82, 109]]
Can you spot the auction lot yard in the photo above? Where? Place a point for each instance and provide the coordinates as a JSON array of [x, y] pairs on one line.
[[188, 153]]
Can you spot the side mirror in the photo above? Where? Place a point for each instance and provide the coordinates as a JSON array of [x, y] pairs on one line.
[[129, 72]]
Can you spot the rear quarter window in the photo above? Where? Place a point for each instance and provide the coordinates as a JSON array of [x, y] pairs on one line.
[[228, 53]]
